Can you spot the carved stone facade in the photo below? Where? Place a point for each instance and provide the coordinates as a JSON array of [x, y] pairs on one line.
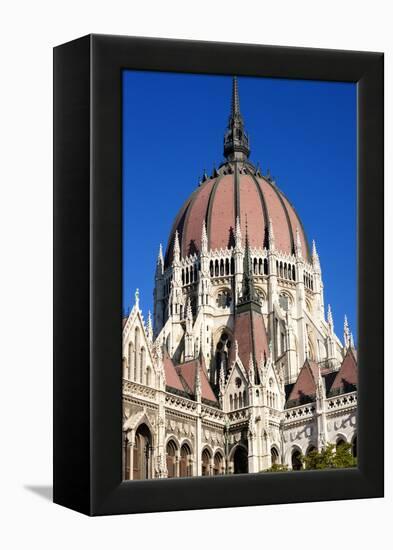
[[242, 369]]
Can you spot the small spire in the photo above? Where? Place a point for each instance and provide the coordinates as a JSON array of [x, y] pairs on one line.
[[298, 247], [198, 385], [330, 317], [314, 255], [204, 240], [236, 142], [176, 248], [238, 234], [272, 244], [189, 310], [160, 262], [347, 336], [351, 341], [149, 327], [137, 297], [251, 374]]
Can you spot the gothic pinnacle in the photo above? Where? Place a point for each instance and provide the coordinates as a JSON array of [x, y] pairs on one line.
[[298, 246], [176, 248], [204, 240], [271, 235], [238, 234], [330, 317]]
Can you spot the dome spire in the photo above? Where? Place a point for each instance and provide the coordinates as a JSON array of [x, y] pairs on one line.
[[236, 143]]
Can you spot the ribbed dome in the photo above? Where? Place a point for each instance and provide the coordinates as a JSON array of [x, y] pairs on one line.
[[236, 189], [244, 193]]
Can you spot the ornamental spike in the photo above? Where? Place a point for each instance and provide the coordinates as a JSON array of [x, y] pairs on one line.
[[176, 248], [272, 244], [137, 297], [330, 317], [298, 246], [149, 327], [238, 234], [346, 333], [204, 240]]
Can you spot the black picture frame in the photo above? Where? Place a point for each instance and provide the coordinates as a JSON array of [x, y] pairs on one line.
[[88, 274]]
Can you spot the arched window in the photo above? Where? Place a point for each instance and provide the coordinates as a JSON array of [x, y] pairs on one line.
[[221, 357], [265, 266], [232, 266], [221, 267], [185, 461], [230, 403], [240, 460], [206, 457], [216, 268], [142, 453], [227, 267], [285, 271], [187, 276], [296, 460], [244, 398], [211, 268], [255, 266], [218, 467], [235, 405], [182, 276], [340, 442], [171, 451], [143, 364], [224, 298], [274, 456], [240, 400], [148, 376], [310, 449], [130, 360], [125, 369], [293, 273], [136, 355]]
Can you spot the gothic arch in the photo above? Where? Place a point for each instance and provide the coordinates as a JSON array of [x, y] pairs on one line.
[[275, 454], [240, 459], [142, 453], [296, 463], [206, 458], [341, 438]]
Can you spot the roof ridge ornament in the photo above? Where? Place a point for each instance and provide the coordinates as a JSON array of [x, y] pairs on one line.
[[236, 142]]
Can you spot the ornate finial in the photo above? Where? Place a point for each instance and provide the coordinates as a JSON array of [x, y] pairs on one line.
[[222, 380], [236, 142], [298, 246], [330, 318], [149, 328], [198, 386], [351, 341], [160, 262], [314, 256], [248, 289], [272, 244], [137, 297], [251, 373], [204, 241], [238, 234], [176, 248], [347, 336]]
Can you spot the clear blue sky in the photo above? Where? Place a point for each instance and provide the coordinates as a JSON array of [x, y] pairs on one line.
[[304, 131]]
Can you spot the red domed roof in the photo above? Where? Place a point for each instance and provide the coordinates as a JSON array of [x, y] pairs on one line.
[[237, 189], [244, 193]]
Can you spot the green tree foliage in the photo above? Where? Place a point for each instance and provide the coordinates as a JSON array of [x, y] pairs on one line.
[[330, 457], [277, 468]]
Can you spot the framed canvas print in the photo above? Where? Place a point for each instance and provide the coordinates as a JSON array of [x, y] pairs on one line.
[[218, 275]]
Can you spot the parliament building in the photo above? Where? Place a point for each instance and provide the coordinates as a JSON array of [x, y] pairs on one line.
[[240, 367]]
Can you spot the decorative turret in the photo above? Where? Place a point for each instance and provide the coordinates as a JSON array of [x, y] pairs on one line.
[[204, 240], [236, 142]]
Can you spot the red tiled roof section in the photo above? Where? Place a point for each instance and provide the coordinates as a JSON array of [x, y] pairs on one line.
[[171, 377], [348, 373], [187, 372], [214, 202], [251, 336], [305, 385]]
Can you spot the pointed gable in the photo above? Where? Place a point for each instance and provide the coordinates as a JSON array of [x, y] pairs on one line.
[[347, 377], [304, 389], [251, 336]]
